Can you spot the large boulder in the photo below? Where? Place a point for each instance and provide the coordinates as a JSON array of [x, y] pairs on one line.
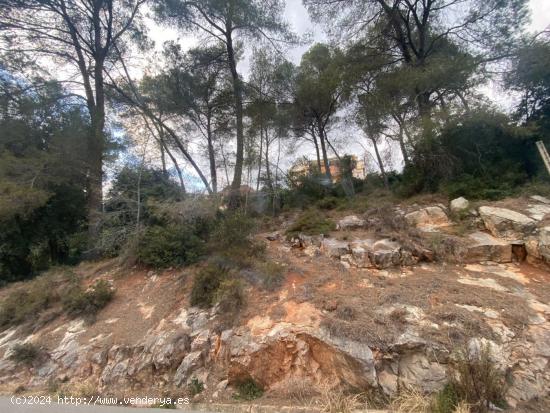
[[385, 254], [538, 246], [507, 224], [485, 247], [285, 353], [459, 204], [350, 222], [428, 218], [334, 248]]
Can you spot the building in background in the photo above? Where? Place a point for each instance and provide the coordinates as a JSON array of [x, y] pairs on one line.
[[306, 167]]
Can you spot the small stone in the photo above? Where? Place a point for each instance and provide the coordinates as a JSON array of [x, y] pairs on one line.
[[459, 204], [350, 222]]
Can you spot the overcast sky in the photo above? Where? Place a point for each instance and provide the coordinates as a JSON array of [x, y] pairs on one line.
[[300, 22]]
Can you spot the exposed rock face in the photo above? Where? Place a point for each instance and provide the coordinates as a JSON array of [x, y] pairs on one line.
[[459, 204], [334, 248], [305, 241], [350, 222], [285, 352], [429, 218], [507, 224], [385, 254], [540, 199], [538, 247], [484, 247]]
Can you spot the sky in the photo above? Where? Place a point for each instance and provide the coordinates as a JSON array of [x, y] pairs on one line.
[[297, 16]]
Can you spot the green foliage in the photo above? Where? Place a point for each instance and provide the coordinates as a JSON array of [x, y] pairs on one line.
[[78, 302], [27, 301], [311, 222], [165, 246], [272, 274], [42, 198], [479, 155], [230, 296], [206, 284], [119, 222], [446, 400], [232, 240], [531, 77], [248, 390], [475, 379], [25, 353], [328, 203], [195, 386]]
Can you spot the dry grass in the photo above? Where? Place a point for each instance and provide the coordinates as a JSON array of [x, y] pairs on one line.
[[299, 390], [335, 400], [411, 401], [462, 407]]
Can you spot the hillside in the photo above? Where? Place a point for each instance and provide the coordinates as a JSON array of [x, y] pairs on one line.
[[381, 304]]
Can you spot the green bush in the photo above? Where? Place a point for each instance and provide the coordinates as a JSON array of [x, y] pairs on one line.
[[272, 274], [311, 222], [26, 302], [78, 302], [230, 296], [25, 353], [206, 284], [195, 386], [475, 379], [232, 241], [248, 390], [330, 202], [169, 245], [446, 400], [479, 155]]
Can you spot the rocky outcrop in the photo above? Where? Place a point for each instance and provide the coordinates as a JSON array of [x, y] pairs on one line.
[[334, 248], [428, 219], [350, 222], [286, 352], [507, 224], [459, 205], [484, 247]]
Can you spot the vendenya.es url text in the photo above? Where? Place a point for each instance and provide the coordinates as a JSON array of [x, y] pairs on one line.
[[98, 400]]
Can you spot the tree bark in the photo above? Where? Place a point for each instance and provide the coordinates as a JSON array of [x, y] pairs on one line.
[[380, 164], [234, 197], [211, 154], [324, 151]]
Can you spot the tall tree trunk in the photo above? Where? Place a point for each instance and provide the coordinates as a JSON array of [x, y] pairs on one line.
[[237, 92], [324, 151], [401, 138], [211, 154], [260, 157], [163, 159], [380, 163], [267, 167], [96, 144], [316, 149], [95, 158]]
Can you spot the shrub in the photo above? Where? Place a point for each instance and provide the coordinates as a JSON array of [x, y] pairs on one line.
[[446, 400], [170, 245], [230, 296], [330, 202], [311, 222], [206, 284], [27, 302], [272, 274], [79, 302], [195, 386], [25, 353], [476, 380], [248, 390]]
